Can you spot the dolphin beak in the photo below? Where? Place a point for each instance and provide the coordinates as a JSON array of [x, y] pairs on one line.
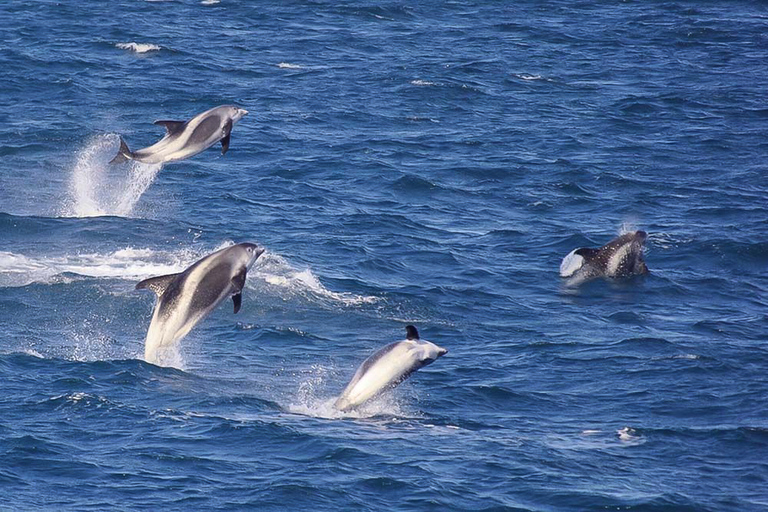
[[243, 112]]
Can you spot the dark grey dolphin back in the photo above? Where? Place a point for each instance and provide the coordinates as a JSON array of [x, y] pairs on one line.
[[204, 130]]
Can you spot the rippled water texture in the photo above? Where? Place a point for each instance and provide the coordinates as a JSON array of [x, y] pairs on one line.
[[427, 163]]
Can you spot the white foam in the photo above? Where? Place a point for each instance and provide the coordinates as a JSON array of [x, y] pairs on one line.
[[127, 263], [98, 188], [287, 65], [138, 47], [628, 434], [210, 2], [422, 83], [274, 270], [132, 263]]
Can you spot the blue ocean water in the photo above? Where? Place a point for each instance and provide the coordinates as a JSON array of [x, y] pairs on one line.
[[403, 162]]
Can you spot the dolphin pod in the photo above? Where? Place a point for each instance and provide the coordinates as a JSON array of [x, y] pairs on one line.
[[184, 299]]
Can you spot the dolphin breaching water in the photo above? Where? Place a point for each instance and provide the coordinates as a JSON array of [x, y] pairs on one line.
[[621, 257], [387, 368], [185, 298], [184, 139]]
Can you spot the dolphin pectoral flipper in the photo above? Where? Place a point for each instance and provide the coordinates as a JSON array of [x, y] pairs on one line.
[[237, 300], [238, 282], [227, 136], [157, 284], [172, 127]]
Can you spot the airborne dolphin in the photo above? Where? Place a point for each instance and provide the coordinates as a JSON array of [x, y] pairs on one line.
[[184, 299], [387, 368], [184, 139], [621, 257]]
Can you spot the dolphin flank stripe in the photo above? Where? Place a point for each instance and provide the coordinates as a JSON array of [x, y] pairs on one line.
[[186, 298], [186, 139]]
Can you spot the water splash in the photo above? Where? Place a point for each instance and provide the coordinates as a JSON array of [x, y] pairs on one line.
[[98, 188], [313, 399]]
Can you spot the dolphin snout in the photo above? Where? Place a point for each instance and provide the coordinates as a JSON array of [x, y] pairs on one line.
[[641, 235]]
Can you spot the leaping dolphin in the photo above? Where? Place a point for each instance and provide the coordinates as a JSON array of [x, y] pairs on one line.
[[186, 298], [621, 257], [184, 139], [387, 368]]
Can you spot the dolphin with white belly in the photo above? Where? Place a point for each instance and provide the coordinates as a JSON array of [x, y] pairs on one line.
[[184, 139], [183, 299], [387, 368], [621, 257]]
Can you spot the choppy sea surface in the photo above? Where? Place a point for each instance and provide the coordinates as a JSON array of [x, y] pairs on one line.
[[425, 163]]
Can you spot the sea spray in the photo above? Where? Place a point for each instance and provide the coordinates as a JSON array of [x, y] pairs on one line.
[[98, 188]]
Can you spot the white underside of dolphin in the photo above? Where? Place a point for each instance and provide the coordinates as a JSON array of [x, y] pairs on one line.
[[387, 368], [186, 298]]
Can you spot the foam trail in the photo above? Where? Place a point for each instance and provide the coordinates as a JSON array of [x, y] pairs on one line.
[[276, 271], [97, 188], [272, 274], [133, 264]]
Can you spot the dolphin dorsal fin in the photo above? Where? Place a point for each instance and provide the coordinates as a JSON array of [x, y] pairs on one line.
[[157, 284], [411, 333], [172, 127]]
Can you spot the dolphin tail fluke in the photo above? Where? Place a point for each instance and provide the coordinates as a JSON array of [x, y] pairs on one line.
[[123, 154]]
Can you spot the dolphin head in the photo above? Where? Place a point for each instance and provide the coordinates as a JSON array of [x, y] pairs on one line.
[[248, 253], [236, 113], [431, 352]]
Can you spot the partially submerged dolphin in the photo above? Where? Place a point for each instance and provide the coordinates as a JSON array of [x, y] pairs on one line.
[[184, 139], [184, 299], [387, 368], [621, 257]]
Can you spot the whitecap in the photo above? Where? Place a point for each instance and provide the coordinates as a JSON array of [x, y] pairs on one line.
[[287, 65], [422, 83], [275, 270], [628, 435], [138, 47]]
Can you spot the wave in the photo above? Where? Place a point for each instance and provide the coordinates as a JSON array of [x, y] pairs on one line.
[[130, 263], [277, 272], [138, 47], [98, 188]]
